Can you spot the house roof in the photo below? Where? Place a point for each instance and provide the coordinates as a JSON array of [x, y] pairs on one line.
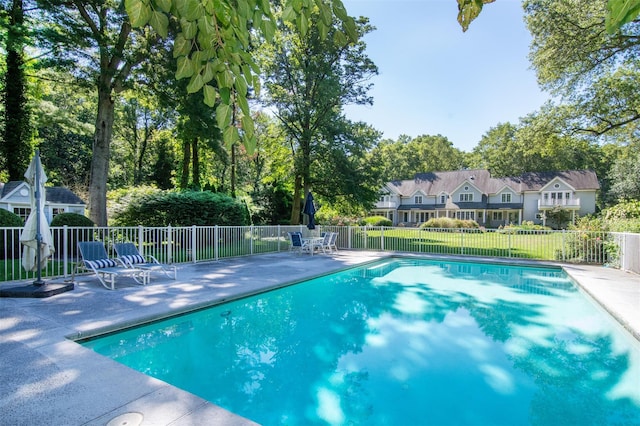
[[54, 194], [435, 183]]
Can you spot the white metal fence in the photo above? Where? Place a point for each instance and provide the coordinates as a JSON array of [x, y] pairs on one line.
[[206, 243]]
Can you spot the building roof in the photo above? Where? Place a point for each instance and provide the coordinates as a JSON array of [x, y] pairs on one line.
[[436, 183], [54, 194]]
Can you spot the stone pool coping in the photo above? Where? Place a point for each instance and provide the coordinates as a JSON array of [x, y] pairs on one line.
[[48, 379]]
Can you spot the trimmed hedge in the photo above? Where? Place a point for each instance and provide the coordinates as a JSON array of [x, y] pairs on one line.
[[8, 218], [201, 208], [447, 222], [10, 238], [377, 221], [71, 219]]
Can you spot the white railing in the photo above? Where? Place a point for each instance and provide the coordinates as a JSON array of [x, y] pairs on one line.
[[209, 243], [550, 203], [386, 205]]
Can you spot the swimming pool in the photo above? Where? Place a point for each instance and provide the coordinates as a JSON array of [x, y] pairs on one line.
[[401, 341]]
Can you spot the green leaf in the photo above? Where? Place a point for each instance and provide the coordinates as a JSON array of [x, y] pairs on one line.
[[241, 85], [209, 95], [250, 144], [184, 68], [139, 12], [268, 29], [181, 46], [468, 10], [230, 136], [160, 23], [350, 28], [247, 125], [339, 38], [223, 115], [243, 9], [190, 9], [205, 41], [288, 14], [303, 24], [225, 95], [243, 104], [207, 24], [208, 73], [296, 4], [325, 13], [225, 78], [339, 10], [195, 84], [189, 28], [621, 12], [164, 5]]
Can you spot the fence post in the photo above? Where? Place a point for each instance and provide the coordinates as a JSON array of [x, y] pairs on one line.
[[251, 239], [169, 244], [382, 238], [349, 237], [141, 240], [194, 243], [366, 237], [65, 249], [278, 233], [564, 256], [216, 242], [509, 242]]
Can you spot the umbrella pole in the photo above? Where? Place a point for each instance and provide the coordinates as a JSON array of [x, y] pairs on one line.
[[38, 281]]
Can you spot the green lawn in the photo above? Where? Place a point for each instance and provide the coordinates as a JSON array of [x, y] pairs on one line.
[[542, 246]]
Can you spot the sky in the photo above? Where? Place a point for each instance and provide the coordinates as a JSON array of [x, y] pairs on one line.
[[434, 79]]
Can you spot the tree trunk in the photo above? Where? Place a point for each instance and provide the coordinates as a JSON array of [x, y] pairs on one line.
[[100, 161], [233, 170], [297, 201], [196, 164], [16, 147], [186, 161]]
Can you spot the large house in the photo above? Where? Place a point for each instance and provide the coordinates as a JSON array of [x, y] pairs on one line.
[[475, 195], [14, 196]]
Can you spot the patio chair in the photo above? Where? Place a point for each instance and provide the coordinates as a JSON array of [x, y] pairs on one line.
[[332, 242], [329, 243], [131, 256], [297, 244], [95, 259], [325, 247]]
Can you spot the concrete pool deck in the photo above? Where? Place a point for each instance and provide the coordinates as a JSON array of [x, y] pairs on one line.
[[45, 378]]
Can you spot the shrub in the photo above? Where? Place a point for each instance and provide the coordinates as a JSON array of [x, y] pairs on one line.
[[8, 218], [524, 227], [10, 239], [589, 243], [71, 219], [447, 222], [623, 217], [377, 221], [74, 236], [202, 208]]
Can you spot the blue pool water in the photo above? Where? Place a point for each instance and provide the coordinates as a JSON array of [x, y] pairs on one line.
[[401, 342]]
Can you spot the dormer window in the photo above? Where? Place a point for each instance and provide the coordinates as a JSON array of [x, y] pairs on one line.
[[443, 198], [418, 199], [466, 197], [506, 198]]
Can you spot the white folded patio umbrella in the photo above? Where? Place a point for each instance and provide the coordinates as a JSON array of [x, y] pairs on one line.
[[36, 233]]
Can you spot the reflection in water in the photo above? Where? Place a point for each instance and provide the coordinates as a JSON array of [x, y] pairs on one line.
[[402, 342]]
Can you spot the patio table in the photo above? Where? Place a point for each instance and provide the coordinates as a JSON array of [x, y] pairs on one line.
[[313, 242]]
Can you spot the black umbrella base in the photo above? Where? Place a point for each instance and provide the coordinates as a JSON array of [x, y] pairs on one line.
[[36, 291]]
